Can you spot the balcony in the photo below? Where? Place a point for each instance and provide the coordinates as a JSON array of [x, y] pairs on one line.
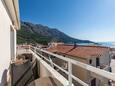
[[63, 76]]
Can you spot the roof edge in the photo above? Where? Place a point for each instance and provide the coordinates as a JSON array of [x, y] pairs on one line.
[[13, 10]]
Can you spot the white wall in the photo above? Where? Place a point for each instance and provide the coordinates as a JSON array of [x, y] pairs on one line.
[[105, 59], [5, 23]]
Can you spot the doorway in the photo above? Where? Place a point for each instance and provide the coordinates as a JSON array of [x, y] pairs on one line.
[[93, 82]]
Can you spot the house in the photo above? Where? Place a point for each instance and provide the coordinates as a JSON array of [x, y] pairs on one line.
[[97, 56], [9, 23], [113, 52]]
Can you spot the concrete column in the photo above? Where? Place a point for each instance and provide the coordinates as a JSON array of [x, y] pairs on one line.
[[13, 42]]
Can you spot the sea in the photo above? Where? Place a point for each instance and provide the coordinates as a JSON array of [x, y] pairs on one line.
[[107, 44]]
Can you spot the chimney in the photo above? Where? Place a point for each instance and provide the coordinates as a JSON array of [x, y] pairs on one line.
[[75, 45]]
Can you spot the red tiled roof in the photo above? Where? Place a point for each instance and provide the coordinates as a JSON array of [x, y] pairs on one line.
[[112, 49], [79, 51]]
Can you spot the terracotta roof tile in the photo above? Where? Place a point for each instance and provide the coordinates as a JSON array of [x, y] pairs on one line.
[[79, 51], [112, 49]]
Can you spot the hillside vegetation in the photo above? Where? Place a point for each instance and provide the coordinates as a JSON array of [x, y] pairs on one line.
[[37, 33]]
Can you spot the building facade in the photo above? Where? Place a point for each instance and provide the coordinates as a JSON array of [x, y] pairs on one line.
[[9, 23], [93, 55]]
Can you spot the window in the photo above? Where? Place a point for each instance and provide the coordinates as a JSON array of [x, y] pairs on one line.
[[97, 62], [63, 55], [90, 61], [93, 82]]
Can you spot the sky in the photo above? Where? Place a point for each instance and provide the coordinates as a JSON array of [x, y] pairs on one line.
[[83, 19]]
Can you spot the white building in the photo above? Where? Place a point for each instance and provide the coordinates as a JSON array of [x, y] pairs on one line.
[[96, 56], [9, 23]]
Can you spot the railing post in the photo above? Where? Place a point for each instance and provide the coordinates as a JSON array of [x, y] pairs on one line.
[[51, 62], [29, 47], [70, 73], [35, 49]]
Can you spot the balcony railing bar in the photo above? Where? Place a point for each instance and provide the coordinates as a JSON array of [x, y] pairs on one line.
[[70, 76], [70, 73], [55, 74], [75, 78], [100, 72], [53, 64]]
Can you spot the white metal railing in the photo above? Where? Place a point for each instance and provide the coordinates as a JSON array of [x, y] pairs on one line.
[[51, 70], [96, 71]]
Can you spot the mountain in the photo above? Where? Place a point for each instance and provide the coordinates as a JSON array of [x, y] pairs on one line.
[[37, 33]]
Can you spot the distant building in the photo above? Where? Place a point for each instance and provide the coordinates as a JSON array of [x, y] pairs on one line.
[[53, 44], [113, 52], [96, 56], [9, 23]]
